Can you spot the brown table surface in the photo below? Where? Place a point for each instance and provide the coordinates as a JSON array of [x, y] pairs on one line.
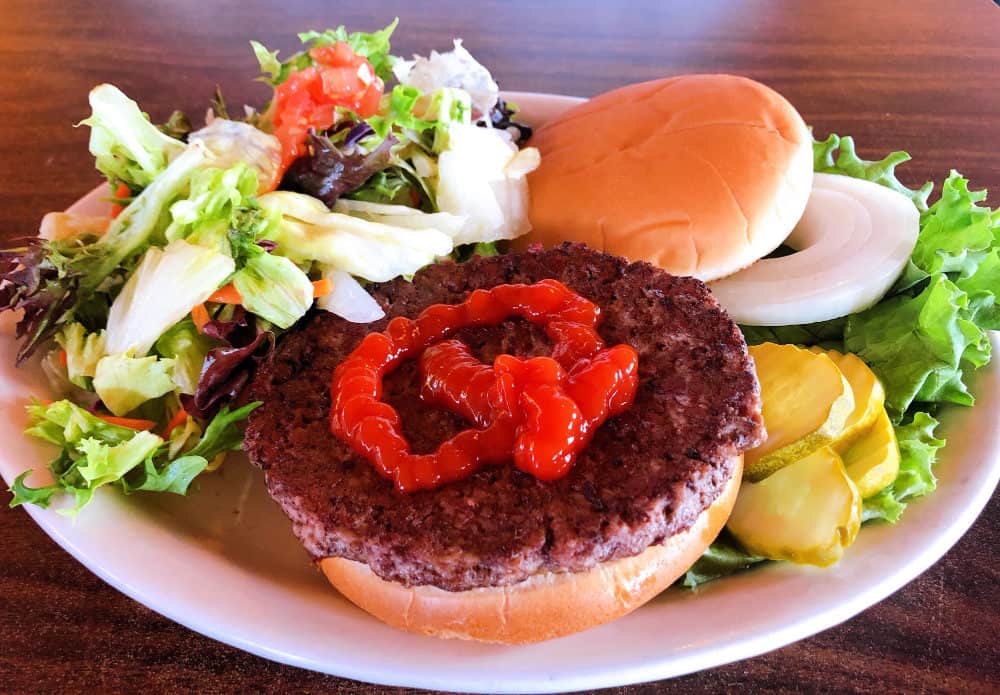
[[921, 76]]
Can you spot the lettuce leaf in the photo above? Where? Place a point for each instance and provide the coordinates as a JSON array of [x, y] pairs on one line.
[[722, 558], [223, 433], [918, 449], [168, 283], [174, 477], [94, 453], [83, 352], [920, 346], [143, 221], [399, 112], [981, 287], [956, 235], [836, 155], [187, 347], [308, 231], [129, 149], [105, 463], [374, 46], [124, 383], [275, 289], [204, 215]]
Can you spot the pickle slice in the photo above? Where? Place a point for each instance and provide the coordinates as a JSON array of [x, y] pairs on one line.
[[805, 401], [869, 397], [873, 460], [808, 512]]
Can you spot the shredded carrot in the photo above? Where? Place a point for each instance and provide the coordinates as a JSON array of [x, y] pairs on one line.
[[322, 287], [130, 422], [121, 192], [228, 294], [200, 317], [179, 418], [63, 358]]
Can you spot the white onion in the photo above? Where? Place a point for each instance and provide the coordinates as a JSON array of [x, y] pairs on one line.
[[348, 298], [851, 244]]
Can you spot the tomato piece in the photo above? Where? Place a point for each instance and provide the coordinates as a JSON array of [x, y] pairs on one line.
[[370, 101], [341, 83], [310, 97], [337, 54]]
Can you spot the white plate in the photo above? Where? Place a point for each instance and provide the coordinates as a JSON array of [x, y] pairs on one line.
[[223, 562]]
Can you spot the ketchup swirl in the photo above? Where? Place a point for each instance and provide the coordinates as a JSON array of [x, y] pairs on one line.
[[539, 412]]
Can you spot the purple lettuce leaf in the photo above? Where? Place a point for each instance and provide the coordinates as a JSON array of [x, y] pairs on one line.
[[228, 368], [329, 171], [31, 281]]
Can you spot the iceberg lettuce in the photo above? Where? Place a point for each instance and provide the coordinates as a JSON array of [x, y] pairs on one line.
[[127, 146]]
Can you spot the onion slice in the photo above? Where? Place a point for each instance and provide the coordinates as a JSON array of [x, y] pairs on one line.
[[349, 299], [851, 244]]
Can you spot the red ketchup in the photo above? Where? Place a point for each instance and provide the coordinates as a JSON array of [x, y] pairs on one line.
[[540, 412]]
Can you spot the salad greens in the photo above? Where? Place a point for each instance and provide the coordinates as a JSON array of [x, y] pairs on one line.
[[373, 46], [275, 289], [163, 289], [127, 147], [124, 383], [94, 453], [922, 340], [152, 319]]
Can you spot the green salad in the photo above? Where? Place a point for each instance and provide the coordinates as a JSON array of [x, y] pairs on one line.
[[150, 314]]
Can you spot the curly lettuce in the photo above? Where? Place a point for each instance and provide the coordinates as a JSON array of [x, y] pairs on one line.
[[374, 46], [94, 453]]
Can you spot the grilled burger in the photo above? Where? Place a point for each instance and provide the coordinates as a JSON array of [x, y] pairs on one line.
[[502, 556]]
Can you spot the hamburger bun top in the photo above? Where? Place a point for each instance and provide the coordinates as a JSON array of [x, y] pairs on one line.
[[698, 174]]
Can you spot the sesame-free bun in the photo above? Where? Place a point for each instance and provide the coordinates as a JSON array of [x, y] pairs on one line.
[[544, 606], [698, 174]]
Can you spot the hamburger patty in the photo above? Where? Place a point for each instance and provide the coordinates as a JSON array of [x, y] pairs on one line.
[[647, 474]]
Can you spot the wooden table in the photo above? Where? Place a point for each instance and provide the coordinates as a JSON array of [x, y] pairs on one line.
[[903, 74]]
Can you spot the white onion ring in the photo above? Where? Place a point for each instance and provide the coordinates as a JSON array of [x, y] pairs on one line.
[[851, 244]]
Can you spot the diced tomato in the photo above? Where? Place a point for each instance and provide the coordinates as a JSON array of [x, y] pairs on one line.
[[337, 54], [309, 98], [342, 83], [369, 103]]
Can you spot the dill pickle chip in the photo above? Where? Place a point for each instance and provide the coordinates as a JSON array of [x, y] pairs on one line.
[[805, 402], [807, 512], [869, 397], [873, 460]]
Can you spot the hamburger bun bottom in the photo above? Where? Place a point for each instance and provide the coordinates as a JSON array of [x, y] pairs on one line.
[[545, 606]]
